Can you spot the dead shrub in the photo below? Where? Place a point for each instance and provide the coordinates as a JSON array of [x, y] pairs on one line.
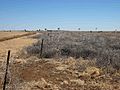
[[85, 45]]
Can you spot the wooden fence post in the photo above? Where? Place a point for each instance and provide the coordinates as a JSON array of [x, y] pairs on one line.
[[6, 72], [41, 50]]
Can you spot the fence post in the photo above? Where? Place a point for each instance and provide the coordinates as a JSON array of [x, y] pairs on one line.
[[6, 72], [41, 50]]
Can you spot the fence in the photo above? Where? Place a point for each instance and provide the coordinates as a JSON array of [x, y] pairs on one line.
[[6, 71]]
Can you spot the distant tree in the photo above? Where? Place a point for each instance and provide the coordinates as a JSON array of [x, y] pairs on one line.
[[90, 31], [25, 30], [96, 28], [38, 30], [58, 28], [45, 29], [78, 28]]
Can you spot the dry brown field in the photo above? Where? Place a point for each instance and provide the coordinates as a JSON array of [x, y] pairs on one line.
[[10, 34], [14, 41], [71, 61]]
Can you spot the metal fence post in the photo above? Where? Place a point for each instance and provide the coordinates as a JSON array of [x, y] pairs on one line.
[[41, 48], [6, 72]]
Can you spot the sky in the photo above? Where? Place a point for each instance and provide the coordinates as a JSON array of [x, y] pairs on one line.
[[65, 14]]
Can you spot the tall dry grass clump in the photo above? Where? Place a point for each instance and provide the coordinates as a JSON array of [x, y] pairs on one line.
[[104, 47]]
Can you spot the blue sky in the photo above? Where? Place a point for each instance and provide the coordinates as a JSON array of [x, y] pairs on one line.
[[66, 14]]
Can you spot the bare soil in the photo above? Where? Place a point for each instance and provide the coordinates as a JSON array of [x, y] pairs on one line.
[[15, 44]]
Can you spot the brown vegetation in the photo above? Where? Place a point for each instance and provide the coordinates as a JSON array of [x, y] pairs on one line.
[[71, 61], [15, 44], [12, 35]]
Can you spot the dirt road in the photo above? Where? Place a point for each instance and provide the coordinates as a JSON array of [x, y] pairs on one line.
[[15, 44]]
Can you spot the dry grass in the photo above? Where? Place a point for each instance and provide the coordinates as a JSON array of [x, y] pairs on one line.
[[85, 61], [11, 35], [104, 47], [54, 74], [16, 44], [65, 71]]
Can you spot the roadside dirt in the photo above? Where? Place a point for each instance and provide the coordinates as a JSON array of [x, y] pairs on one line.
[[56, 74], [15, 45], [9, 34]]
